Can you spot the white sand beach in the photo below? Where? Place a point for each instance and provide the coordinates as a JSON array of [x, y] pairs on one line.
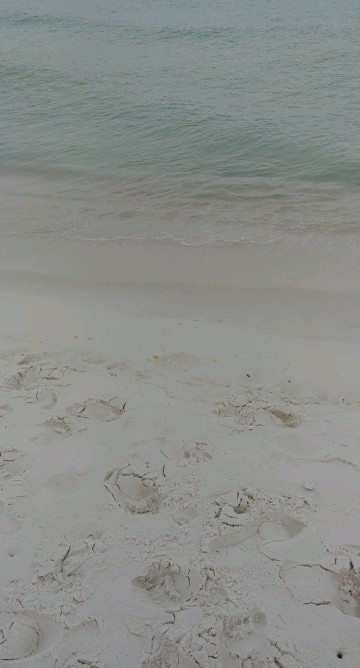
[[180, 456]]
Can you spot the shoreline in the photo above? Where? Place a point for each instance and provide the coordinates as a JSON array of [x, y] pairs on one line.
[[196, 210], [329, 263]]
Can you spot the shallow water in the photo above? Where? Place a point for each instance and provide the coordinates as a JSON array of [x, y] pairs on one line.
[[195, 122]]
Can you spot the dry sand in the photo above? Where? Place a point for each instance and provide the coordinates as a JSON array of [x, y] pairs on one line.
[[179, 470]]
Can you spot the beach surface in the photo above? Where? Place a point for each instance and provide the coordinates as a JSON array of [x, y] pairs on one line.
[[180, 455]]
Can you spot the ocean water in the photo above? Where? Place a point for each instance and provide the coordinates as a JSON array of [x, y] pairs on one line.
[[191, 121]]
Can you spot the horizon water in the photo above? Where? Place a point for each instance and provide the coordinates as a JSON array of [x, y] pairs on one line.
[[193, 122]]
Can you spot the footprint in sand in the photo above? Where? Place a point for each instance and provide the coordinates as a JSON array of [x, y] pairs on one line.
[[24, 634], [135, 489], [42, 395], [256, 413], [116, 368], [288, 538], [32, 374], [99, 409], [242, 410], [20, 636], [167, 583], [187, 453], [281, 538], [241, 634], [79, 646], [238, 517], [179, 361], [66, 565], [317, 585], [59, 425], [183, 502], [271, 521], [232, 510], [173, 645], [285, 417]]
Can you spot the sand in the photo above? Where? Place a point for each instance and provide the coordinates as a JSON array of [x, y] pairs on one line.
[[180, 463]]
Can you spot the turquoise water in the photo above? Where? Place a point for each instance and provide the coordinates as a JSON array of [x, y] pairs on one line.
[[179, 119]]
